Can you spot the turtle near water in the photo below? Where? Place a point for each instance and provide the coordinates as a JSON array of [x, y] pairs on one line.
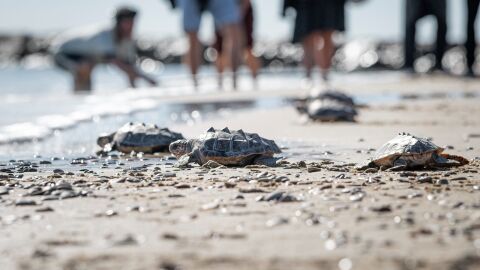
[[138, 137], [328, 110], [407, 151], [333, 95], [229, 148]]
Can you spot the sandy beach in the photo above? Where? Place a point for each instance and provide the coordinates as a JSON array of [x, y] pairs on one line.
[[143, 213]]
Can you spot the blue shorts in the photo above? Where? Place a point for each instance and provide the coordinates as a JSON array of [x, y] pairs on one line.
[[224, 12]]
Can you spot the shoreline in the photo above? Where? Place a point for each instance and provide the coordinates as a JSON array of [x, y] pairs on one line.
[[148, 214]]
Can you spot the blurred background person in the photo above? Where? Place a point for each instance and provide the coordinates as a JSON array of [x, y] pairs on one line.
[[79, 52], [415, 10], [471, 43], [226, 14], [315, 23], [247, 29]]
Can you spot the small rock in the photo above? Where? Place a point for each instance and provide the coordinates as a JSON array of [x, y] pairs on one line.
[[58, 171], [276, 221], [251, 190], [182, 186], [278, 197], [25, 202], [371, 170], [381, 208], [44, 209], [442, 182], [211, 206]]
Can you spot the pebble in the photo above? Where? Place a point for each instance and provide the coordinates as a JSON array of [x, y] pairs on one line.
[[277, 221], [371, 170], [211, 206], [251, 190], [442, 182], [58, 171], [25, 202], [381, 208], [278, 196], [44, 209], [312, 169], [182, 186], [4, 191], [128, 240]]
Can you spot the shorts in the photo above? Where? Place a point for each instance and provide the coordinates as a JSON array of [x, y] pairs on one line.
[[247, 24], [68, 61], [224, 12]]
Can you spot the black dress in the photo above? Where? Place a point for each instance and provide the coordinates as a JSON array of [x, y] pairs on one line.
[[317, 15]]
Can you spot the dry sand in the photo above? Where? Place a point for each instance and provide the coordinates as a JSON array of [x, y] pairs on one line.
[[160, 217]]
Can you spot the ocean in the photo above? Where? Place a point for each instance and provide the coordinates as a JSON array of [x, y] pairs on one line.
[[42, 116]]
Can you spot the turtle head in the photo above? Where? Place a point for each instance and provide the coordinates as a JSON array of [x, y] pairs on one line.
[[180, 148], [105, 139]]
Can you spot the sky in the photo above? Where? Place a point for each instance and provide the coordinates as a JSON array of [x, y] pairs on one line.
[[376, 19]]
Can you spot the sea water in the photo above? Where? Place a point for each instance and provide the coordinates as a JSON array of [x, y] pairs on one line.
[[42, 116]]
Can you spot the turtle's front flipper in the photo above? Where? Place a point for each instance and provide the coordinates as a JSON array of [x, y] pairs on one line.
[[267, 161], [399, 165], [442, 160], [184, 160]]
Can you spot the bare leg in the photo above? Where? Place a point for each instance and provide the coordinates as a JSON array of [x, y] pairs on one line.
[[194, 56], [308, 55], [220, 65], [232, 48], [324, 49], [82, 77], [252, 63]]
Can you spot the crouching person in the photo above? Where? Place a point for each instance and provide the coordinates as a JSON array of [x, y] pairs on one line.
[[78, 53]]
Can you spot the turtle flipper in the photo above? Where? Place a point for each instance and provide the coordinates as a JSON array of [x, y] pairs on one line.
[[399, 165], [460, 161], [266, 161], [184, 160]]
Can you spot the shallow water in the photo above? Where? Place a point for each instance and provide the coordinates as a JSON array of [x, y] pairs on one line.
[[43, 117]]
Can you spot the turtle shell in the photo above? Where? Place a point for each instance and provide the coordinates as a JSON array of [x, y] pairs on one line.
[[146, 138], [330, 110], [334, 95], [233, 147], [418, 151]]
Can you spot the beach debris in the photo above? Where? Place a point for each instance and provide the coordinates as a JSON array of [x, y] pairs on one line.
[[407, 151], [225, 147], [328, 106], [138, 138]]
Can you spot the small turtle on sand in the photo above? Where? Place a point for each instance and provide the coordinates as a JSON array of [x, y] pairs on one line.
[[406, 151], [138, 137], [333, 95], [327, 110], [229, 148]]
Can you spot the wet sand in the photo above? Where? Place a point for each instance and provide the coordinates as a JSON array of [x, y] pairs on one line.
[[146, 214]]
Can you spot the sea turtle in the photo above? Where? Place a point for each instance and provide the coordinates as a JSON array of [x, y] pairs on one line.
[[333, 95], [406, 151], [327, 110], [229, 148], [138, 137]]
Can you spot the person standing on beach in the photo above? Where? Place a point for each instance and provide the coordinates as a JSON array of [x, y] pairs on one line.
[[315, 24], [78, 53], [251, 60], [226, 14], [471, 43], [415, 10]]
